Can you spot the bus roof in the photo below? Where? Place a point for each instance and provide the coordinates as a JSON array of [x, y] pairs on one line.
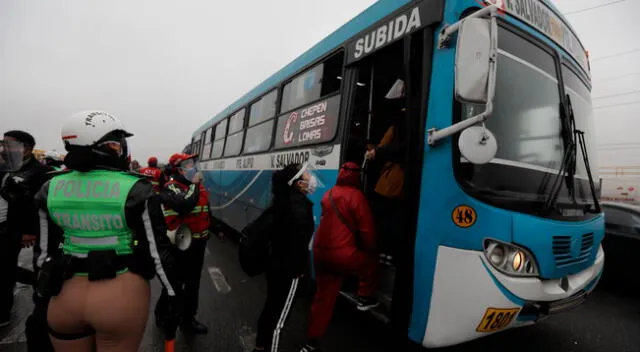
[[362, 21], [365, 19]]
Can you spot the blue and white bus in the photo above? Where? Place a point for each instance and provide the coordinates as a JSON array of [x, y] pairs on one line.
[[502, 224]]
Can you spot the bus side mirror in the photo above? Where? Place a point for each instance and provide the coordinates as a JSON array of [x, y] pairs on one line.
[[473, 58], [475, 75]]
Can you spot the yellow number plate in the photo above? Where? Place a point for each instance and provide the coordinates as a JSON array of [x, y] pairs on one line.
[[497, 319]]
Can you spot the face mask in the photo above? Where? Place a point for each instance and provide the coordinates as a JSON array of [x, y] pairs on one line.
[[189, 172]]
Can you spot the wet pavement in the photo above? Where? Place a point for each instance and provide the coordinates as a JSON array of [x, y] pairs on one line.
[[230, 302]]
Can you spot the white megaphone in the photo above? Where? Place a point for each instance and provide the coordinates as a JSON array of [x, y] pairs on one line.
[[180, 237]]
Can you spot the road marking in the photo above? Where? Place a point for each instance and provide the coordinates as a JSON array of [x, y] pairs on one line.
[[206, 251], [219, 280], [247, 338]]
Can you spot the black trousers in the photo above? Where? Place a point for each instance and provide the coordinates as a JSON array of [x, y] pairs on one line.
[[190, 267], [9, 252], [389, 217], [281, 294], [37, 328]]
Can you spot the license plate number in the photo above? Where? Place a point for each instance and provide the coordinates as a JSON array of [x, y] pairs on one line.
[[495, 319]]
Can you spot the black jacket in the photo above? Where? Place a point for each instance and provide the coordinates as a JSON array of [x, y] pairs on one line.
[[142, 211], [179, 200], [18, 188], [293, 228]]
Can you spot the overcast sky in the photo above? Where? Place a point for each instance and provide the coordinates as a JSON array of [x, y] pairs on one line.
[[166, 67]]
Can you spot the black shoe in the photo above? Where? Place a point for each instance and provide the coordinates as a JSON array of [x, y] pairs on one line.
[[366, 303], [193, 326], [5, 319]]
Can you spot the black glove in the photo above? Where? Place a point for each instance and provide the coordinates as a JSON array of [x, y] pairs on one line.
[[15, 187]]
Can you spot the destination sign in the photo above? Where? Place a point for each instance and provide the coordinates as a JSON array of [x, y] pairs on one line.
[[539, 16], [312, 124]]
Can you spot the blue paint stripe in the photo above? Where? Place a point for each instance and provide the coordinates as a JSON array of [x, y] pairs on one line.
[[513, 298]]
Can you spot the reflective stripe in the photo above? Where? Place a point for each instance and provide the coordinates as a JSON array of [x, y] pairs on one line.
[[153, 249], [196, 210], [94, 241], [200, 235], [44, 237], [169, 213], [200, 209], [155, 183]]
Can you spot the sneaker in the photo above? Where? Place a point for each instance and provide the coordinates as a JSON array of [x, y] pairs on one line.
[[367, 303], [193, 326], [5, 319]]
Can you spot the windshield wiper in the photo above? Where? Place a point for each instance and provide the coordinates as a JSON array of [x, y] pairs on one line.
[[568, 160], [579, 135]]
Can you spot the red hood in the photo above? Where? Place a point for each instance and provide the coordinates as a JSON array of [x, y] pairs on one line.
[[349, 175]]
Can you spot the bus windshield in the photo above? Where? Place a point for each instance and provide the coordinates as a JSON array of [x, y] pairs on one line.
[[527, 123]]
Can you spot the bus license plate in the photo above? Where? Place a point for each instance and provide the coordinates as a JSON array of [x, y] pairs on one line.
[[497, 319]]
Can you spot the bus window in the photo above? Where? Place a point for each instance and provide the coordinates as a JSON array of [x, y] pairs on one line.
[[218, 144], [234, 144], [236, 122], [216, 150], [263, 109], [221, 129], [258, 137], [207, 144], [313, 84]]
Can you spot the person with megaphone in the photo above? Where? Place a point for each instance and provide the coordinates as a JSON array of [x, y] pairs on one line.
[[185, 205]]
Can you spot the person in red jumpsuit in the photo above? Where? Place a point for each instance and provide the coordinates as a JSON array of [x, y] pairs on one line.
[[342, 250], [156, 175]]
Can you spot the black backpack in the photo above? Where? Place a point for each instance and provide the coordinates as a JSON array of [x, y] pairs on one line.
[[255, 244]]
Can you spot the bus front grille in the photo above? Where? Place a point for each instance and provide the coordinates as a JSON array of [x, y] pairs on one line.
[[570, 250]]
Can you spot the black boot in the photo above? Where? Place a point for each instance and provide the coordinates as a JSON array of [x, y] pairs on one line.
[[193, 326]]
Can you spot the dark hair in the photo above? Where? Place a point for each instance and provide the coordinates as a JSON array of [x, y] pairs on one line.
[[280, 178], [22, 136], [87, 158]]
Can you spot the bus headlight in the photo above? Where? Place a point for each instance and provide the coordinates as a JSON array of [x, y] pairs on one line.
[[510, 259]]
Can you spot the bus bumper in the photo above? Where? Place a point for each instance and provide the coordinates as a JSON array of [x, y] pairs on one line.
[[469, 295]]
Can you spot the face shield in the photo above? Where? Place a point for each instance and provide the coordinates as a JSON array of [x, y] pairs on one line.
[[308, 176], [189, 168], [11, 154]]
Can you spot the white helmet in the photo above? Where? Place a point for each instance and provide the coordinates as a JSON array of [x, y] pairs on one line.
[[86, 128]]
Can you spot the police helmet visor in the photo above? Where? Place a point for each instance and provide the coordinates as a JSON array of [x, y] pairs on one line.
[[117, 145], [11, 154]]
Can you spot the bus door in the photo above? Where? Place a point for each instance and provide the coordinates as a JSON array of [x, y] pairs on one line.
[[386, 110]]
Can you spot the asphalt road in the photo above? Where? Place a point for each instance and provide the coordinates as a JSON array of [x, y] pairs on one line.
[[230, 304]]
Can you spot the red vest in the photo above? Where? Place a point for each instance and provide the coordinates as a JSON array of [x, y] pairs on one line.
[[155, 174], [197, 220]]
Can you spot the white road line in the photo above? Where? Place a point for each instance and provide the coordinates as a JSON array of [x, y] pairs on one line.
[[206, 251], [219, 280], [247, 338]]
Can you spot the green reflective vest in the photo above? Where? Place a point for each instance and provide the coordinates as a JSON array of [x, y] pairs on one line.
[[90, 208]]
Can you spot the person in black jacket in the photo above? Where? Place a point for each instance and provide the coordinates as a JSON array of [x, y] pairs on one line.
[[289, 259], [19, 182]]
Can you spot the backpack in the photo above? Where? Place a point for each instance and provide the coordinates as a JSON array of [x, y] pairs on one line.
[[255, 244]]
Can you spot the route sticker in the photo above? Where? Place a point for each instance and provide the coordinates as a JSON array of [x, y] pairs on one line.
[[464, 216]]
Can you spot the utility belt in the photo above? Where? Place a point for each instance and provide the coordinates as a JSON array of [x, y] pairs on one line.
[[97, 265]]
